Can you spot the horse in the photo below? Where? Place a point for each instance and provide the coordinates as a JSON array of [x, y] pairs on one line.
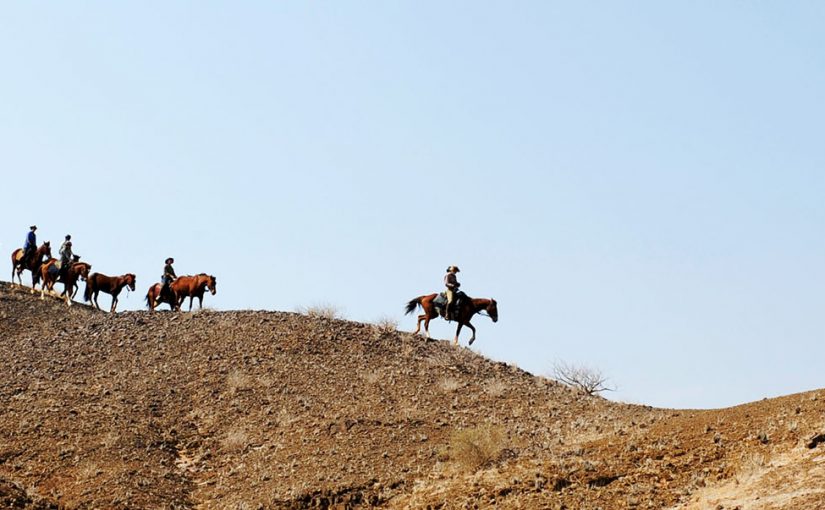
[[32, 264], [194, 287], [464, 311], [155, 299], [108, 284], [69, 278]]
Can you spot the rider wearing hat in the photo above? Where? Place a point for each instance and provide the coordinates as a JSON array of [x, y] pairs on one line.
[[451, 282], [30, 245], [168, 275], [66, 254]]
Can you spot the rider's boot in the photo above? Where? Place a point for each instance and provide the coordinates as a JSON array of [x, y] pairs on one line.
[[447, 311]]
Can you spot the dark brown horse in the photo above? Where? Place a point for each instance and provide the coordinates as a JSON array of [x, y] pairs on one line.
[[32, 264], [467, 307], [194, 287], [51, 275], [97, 282]]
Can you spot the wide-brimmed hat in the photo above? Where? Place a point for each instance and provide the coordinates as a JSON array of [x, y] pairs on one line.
[[33, 227], [170, 260], [68, 236], [457, 270]]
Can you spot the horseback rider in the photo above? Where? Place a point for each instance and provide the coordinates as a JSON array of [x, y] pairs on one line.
[[30, 246], [66, 255], [451, 282], [168, 277]]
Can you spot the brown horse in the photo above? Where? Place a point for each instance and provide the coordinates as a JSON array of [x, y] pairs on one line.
[[69, 278], [194, 287], [97, 282], [467, 307], [32, 264], [155, 299]]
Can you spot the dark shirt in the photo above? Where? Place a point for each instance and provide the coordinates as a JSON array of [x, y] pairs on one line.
[[168, 270], [31, 240]]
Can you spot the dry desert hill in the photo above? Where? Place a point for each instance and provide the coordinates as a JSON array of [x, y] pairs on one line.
[[260, 409]]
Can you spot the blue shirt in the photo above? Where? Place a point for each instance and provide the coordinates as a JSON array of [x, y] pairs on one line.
[[31, 240]]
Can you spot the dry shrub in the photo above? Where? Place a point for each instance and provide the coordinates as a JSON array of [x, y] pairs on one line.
[[238, 381], [449, 385], [235, 441], [386, 325], [473, 448], [585, 379], [495, 388], [321, 311]]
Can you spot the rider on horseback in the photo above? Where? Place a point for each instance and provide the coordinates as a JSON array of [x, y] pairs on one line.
[[452, 284], [66, 255], [30, 245], [168, 277]]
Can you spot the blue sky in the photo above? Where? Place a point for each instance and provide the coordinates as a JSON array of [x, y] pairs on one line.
[[638, 184]]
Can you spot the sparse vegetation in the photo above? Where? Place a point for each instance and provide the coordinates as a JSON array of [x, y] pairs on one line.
[[473, 448], [321, 311], [387, 325], [585, 379], [235, 441]]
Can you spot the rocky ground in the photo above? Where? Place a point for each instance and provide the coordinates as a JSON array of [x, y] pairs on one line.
[[262, 409]]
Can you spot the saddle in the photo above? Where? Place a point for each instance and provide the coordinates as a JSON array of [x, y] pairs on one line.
[[440, 302], [19, 256]]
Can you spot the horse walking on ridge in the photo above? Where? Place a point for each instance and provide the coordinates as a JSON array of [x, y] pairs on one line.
[[154, 298], [32, 264], [194, 287], [97, 282], [69, 278], [463, 312], [183, 287]]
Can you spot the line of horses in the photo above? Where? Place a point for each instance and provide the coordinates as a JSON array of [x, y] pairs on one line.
[[44, 271], [195, 287]]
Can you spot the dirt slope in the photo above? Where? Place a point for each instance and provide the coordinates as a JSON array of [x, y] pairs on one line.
[[277, 410]]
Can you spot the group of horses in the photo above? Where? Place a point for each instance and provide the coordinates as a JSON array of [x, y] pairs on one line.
[[44, 267], [195, 287]]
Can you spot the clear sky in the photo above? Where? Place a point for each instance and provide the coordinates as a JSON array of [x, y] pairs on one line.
[[639, 184]]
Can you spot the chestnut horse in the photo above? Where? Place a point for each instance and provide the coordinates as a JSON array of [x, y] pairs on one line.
[[183, 286], [154, 298], [194, 287], [69, 278], [462, 314], [97, 282], [33, 264]]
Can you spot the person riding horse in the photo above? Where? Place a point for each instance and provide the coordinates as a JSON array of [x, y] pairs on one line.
[[66, 256], [451, 282], [168, 277], [29, 246]]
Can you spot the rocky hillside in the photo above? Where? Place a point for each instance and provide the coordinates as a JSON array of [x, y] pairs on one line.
[[279, 410]]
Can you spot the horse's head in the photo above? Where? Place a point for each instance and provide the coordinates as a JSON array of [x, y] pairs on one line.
[[45, 249], [130, 281], [492, 310], [212, 283], [82, 269]]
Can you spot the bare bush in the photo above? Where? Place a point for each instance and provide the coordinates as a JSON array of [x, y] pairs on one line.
[[476, 447], [588, 380], [322, 311]]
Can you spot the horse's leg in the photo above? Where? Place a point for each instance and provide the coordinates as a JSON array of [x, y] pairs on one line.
[[191, 298], [418, 324], [200, 302], [114, 303], [473, 339]]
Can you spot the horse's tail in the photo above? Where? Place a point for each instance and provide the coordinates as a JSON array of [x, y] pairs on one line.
[[411, 306], [87, 294], [148, 300]]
